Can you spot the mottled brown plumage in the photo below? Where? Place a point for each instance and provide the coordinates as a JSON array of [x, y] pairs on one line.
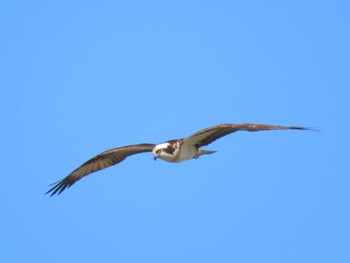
[[99, 162], [209, 135]]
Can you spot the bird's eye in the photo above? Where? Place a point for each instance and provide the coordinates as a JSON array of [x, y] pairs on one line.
[[158, 151]]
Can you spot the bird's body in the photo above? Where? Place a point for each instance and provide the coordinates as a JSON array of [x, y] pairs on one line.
[[171, 151], [176, 151]]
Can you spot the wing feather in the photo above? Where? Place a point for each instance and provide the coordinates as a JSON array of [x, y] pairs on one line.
[[208, 135], [99, 162]]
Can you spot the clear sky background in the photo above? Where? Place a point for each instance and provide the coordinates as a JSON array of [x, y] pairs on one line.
[[81, 77]]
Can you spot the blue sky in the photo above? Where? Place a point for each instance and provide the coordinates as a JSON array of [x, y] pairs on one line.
[[81, 77]]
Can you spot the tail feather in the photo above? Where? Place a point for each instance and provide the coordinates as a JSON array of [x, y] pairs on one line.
[[201, 152]]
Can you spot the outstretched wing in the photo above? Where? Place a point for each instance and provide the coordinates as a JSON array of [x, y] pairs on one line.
[[99, 162], [208, 135]]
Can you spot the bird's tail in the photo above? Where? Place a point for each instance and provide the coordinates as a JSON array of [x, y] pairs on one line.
[[201, 152]]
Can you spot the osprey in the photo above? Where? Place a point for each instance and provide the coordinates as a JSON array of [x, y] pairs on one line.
[[170, 151]]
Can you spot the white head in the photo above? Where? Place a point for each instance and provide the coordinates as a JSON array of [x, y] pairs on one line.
[[167, 151]]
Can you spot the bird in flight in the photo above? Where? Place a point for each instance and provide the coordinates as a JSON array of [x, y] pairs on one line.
[[170, 151]]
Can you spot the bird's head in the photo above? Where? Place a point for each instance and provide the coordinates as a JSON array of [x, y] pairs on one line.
[[166, 151]]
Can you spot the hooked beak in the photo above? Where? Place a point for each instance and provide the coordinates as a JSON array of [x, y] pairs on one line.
[[155, 156]]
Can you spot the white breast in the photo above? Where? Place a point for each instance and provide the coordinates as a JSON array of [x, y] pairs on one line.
[[187, 152]]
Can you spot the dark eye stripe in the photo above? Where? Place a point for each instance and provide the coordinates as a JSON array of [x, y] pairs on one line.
[[170, 149]]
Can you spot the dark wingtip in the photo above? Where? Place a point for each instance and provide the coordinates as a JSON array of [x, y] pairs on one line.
[[58, 187], [52, 188], [304, 128]]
